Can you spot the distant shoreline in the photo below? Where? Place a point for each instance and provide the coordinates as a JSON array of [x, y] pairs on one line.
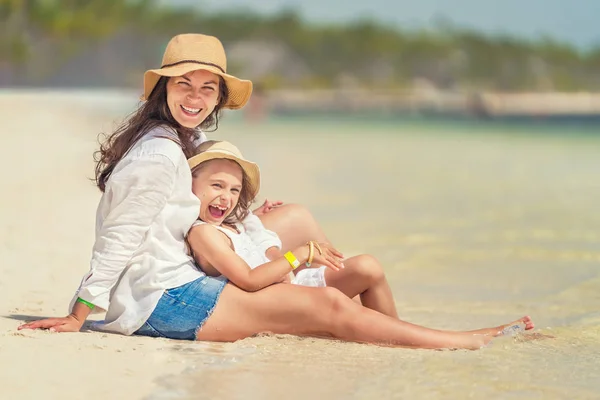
[[583, 107], [483, 105]]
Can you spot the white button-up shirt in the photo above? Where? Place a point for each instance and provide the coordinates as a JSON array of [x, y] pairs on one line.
[[142, 220]]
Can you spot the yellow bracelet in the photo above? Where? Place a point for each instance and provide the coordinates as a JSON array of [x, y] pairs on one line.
[[291, 258], [311, 253]]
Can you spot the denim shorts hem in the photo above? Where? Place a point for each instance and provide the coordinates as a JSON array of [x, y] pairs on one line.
[[148, 330], [182, 311], [208, 313]]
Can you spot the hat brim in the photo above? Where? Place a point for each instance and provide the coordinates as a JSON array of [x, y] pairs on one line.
[[239, 90], [251, 169]]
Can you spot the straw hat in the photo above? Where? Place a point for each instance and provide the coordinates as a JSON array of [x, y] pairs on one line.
[[212, 150], [190, 52]]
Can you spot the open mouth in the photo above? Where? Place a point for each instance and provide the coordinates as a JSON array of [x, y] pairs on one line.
[[192, 112], [216, 211]]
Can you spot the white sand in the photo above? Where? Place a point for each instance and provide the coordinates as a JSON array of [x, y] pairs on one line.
[[47, 213]]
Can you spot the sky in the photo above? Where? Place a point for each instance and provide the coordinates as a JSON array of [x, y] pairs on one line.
[[573, 21]]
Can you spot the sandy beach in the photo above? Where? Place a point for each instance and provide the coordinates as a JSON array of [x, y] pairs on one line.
[[48, 210], [473, 231]]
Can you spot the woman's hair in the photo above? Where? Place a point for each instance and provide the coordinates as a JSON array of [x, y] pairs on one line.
[[242, 208], [154, 112]]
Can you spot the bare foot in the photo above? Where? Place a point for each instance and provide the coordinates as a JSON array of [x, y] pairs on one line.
[[515, 327], [520, 325]]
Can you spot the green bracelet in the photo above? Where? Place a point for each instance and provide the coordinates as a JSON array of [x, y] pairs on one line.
[[87, 303]]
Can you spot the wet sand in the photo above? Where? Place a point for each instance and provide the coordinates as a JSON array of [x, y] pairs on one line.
[[473, 228]]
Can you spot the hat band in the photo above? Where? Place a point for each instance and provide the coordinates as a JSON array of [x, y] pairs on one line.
[[194, 62]]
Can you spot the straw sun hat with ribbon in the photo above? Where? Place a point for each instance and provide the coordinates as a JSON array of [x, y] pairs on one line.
[[190, 52], [212, 150]]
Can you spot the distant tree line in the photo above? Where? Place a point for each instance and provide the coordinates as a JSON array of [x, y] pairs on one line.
[[39, 35]]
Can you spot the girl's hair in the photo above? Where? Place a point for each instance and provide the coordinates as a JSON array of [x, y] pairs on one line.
[[242, 208], [154, 112]]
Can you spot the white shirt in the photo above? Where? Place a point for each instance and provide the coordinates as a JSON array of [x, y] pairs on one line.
[[142, 220], [143, 217]]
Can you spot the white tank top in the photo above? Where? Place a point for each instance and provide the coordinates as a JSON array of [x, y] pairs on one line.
[[254, 256], [242, 245]]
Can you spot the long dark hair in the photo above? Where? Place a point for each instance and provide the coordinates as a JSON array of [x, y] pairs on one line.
[[154, 112]]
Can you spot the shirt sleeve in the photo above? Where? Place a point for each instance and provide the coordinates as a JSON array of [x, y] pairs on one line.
[[139, 191], [261, 236]]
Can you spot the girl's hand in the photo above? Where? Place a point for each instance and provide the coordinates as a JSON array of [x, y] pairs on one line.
[[267, 206], [330, 257], [287, 278], [66, 324]]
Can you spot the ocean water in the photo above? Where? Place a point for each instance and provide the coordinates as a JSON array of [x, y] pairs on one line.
[[476, 224]]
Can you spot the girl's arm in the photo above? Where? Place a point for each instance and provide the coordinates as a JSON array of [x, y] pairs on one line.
[[207, 242], [274, 253]]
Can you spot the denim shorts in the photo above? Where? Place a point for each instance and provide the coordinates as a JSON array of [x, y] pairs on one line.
[[182, 311]]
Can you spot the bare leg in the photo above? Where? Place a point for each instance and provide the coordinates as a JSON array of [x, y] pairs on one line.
[[295, 226], [364, 277], [320, 312]]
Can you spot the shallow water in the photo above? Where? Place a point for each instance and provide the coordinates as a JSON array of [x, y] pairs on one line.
[[475, 227]]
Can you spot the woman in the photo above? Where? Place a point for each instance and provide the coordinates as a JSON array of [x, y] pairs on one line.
[[139, 260]]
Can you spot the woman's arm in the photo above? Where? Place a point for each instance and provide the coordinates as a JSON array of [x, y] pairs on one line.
[[207, 242], [261, 236], [139, 190], [267, 241], [71, 323]]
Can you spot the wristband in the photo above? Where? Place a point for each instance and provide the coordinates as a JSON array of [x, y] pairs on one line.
[[87, 303], [291, 258]]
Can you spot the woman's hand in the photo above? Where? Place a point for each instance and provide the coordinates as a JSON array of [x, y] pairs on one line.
[[66, 324], [267, 206]]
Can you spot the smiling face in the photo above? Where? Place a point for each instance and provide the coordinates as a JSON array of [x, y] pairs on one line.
[[192, 97], [218, 184]]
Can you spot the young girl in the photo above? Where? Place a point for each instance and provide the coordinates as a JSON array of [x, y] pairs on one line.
[[356, 276]]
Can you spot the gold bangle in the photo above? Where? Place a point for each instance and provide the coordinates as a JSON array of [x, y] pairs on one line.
[[291, 258], [311, 253], [318, 247]]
